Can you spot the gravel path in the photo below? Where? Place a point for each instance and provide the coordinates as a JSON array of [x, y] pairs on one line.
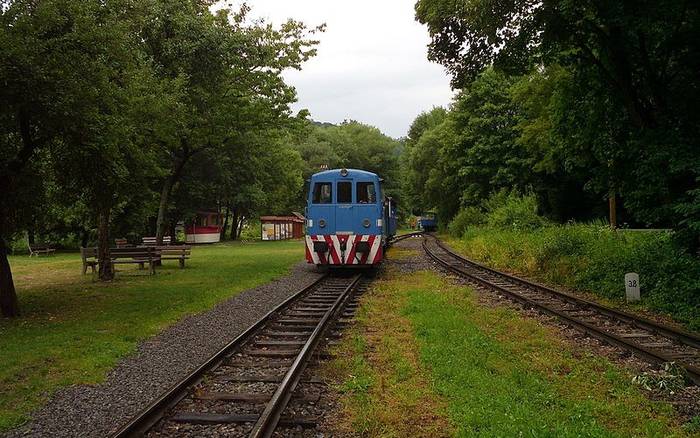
[[97, 411]]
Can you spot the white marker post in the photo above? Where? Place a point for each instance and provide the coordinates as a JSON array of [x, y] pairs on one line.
[[632, 287]]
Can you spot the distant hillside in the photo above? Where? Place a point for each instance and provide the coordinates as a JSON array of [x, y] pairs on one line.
[[323, 124]]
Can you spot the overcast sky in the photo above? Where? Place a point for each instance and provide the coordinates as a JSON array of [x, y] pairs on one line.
[[371, 65]]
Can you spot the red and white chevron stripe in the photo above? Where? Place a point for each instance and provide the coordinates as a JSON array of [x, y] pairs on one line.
[[335, 256]]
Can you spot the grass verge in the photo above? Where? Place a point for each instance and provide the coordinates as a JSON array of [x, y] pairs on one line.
[[387, 390], [73, 330], [422, 345], [595, 259]]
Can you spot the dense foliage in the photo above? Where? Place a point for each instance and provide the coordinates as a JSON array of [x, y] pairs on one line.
[[594, 258], [506, 232], [575, 102], [129, 116], [563, 107], [352, 145]]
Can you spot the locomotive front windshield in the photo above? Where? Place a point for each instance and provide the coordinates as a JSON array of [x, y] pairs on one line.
[[344, 192], [366, 193], [323, 193]]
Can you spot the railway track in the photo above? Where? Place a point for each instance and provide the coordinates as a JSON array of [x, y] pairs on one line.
[[656, 343], [405, 236], [256, 385]]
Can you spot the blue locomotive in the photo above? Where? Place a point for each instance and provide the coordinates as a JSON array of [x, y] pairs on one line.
[[349, 222], [428, 221]]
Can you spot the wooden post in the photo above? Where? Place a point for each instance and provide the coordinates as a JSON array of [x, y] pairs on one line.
[[612, 205]]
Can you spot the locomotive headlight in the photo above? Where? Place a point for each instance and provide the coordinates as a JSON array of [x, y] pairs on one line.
[[322, 223], [366, 223], [380, 222], [343, 172], [310, 223]]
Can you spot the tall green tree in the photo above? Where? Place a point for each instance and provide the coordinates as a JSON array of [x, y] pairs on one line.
[[419, 157], [440, 182], [232, 73], [67, 67], [640, 57], [352, 145], [487, 154], [255, 173], [568, 145]]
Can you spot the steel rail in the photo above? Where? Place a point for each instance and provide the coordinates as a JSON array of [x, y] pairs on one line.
[[681, 336], [267, 423], [693, 372], [395, 239], [148, 417]]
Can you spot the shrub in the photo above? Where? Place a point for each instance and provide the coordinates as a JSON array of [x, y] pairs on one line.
[[466, 218], [511, 210], [251, 230], [594, 258]]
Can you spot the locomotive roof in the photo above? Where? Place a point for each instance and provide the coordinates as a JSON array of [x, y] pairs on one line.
[[352, 173]]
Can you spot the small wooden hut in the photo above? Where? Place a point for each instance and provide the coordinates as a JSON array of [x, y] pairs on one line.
[[282, 227]]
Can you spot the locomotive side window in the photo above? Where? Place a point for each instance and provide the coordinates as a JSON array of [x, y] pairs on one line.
[[344, 192], [366, 193], [323, 193]]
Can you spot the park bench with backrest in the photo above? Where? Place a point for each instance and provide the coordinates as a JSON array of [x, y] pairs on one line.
[[151, 241], [122, 243], [119, 256], [173, 252], [136, 255], [37, 250]]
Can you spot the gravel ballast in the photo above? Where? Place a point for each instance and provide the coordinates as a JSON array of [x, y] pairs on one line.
[[159, 363]]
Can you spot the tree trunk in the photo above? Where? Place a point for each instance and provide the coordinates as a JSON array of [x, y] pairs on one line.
[[612, 207], [105, 262], [172, 232], [223, 228], [234, 223], [84, 239], [240, 227], [151, 229], [9, 306], [170, 181], [162, 209]]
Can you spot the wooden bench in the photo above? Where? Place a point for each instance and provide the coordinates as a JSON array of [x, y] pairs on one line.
[[37, 250], [180, 253], [137, 255], [120, 256], [121, 243], [151, 241]]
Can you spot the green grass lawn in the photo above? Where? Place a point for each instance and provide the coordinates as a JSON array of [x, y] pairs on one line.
[[425, 348], [73, 330]]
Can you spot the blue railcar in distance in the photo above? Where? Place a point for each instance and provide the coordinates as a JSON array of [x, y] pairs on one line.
[[428, 221], [349, 221]]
